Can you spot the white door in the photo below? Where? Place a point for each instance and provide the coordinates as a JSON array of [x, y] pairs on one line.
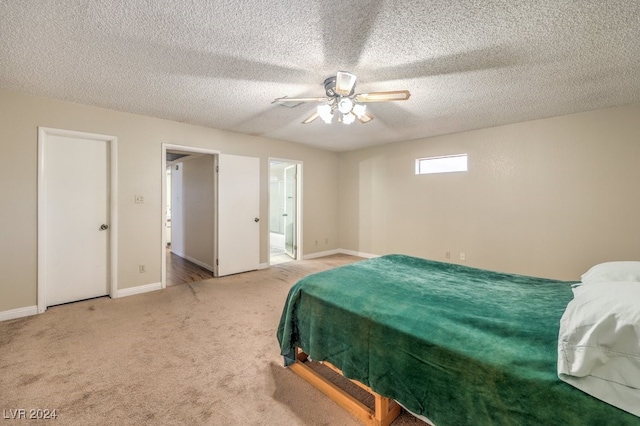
[[290, 191], [76, 218], [238, 214]]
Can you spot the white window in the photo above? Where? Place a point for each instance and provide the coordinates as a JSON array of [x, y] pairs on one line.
[[444, 164]]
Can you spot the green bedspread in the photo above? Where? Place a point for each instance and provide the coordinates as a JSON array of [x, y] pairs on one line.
[[459, 345]]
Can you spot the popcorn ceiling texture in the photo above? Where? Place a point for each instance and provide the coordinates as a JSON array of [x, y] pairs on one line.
[[468, 64]]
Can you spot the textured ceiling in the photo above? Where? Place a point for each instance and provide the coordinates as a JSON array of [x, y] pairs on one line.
[[468, 64]]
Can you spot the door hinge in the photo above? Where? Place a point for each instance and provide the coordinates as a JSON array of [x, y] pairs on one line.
[[217, 263], [217, 169], [295, 247]]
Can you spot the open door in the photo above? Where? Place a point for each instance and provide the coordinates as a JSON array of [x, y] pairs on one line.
[[238, 214], [290, 187]]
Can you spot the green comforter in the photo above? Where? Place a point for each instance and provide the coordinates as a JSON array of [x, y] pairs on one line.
[[459, 345]]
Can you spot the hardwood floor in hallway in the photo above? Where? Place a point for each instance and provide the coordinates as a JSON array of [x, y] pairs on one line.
[[182, 271]]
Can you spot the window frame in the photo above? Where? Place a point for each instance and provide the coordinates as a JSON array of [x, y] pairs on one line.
[[453, 168]]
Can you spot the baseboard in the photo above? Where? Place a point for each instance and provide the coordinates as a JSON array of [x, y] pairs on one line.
[[321, 254], [138, 289], [340, 251], [18, 313], [196, 261], [359, 254]]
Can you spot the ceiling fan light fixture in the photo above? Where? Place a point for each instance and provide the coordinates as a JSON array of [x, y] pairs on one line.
[[345, 105], [324, 111], [359, 110], [348, 118], [340, 96]]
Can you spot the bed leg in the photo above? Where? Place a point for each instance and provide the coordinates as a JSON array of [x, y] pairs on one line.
[[386, 410]]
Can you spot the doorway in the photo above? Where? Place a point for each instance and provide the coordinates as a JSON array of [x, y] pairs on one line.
[[210, 213], [77, 194], [189, 219], [284, 210]]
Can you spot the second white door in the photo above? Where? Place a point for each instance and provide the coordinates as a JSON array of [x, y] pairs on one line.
[[238, 214]]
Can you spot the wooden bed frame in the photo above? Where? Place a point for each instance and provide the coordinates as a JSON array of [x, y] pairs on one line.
[[386, 409]]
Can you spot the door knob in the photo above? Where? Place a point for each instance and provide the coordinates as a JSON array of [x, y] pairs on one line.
[[256, 220], [104, 227], [285, 215]]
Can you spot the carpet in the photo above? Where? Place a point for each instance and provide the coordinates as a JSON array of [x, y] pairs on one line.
[[202, 353]]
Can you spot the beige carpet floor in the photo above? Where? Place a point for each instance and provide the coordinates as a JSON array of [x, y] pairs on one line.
[[203, 353]]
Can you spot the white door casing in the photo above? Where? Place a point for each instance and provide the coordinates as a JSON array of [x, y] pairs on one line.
[[290, 192], [295, 168], [164, 184], [238, 227], [76, 202]]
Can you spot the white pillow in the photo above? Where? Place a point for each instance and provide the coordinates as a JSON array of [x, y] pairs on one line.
[[599, 343], [613, 271]]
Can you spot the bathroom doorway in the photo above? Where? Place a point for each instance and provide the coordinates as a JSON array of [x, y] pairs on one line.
[[284, 210]]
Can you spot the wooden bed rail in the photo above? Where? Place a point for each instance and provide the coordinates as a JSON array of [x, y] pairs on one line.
[[384, 413]]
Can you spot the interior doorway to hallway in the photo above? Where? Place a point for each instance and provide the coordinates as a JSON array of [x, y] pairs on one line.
[[284, 210], [190, 201], [211, 215]]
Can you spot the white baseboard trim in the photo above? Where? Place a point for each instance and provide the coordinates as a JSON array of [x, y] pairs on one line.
[[18, 313], [359, 254], [321, 254], [196, 261], [138, 289]]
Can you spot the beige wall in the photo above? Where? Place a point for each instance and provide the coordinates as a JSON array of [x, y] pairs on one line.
[[141, 170], [547, 198]]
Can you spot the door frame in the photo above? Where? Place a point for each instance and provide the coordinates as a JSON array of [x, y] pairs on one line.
[[163, 210], [294, 242], [112, 267], [299, 170]]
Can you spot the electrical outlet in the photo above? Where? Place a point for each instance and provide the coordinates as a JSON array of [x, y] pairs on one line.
[[142, 269], [463, 256], [139, 199], [447, 255]]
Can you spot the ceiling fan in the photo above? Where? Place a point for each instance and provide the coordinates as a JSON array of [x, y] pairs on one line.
[[341, 100]]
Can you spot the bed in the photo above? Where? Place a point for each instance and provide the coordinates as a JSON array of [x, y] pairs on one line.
[[455, 344]]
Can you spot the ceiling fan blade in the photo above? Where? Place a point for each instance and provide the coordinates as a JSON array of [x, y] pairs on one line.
[[311, 118], [299, 100], [345, 82], [393, 95], [365, 118]]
